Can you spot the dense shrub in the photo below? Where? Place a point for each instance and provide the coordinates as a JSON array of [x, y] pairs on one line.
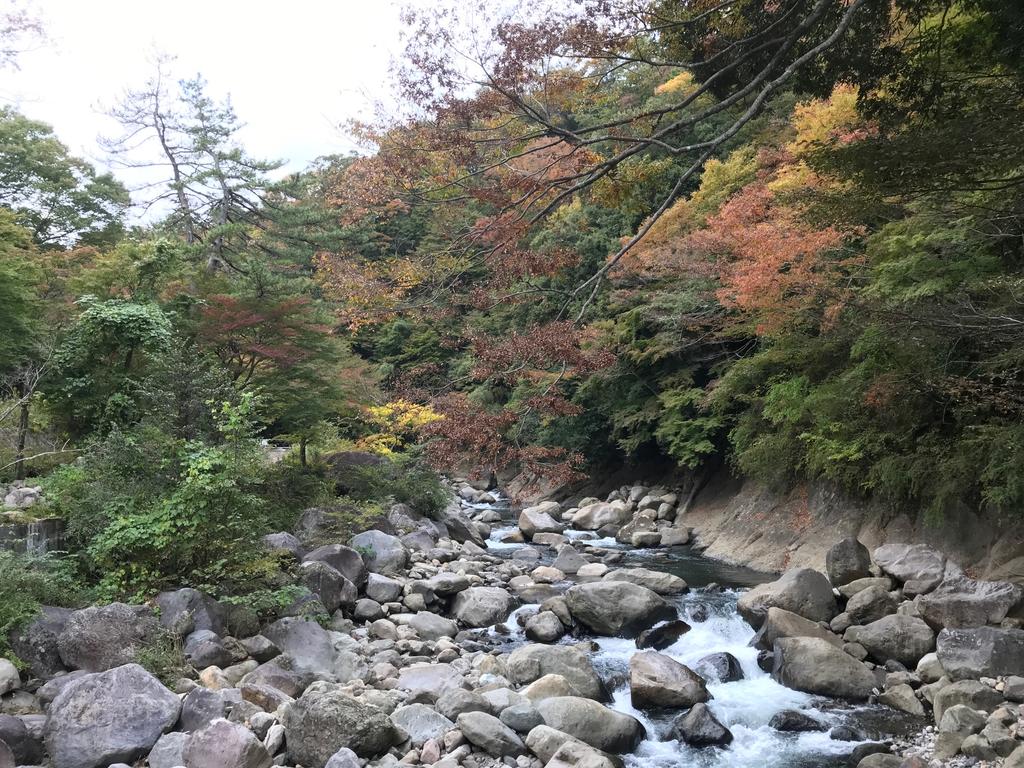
[[28, 582]]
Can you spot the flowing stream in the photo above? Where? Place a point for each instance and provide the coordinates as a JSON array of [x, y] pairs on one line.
[[745, 706]]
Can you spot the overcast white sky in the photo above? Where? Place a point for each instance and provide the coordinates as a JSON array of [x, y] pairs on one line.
[[294, 70]]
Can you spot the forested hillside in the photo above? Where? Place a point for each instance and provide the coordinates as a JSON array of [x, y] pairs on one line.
[[785, 238]]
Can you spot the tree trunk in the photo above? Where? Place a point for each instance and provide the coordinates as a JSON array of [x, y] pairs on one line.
[[302, 451], [19, 462]]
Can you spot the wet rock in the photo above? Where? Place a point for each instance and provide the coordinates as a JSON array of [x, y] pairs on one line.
[[592, 723], [421, 723], [544, 627], [816, 666], [101, 638], [720, 667], [595, 516], [961, 602], [223, 744], [108, 717], [321, 722], [617, 607], [846, 561], [538, 519], [902, 638], [980, 652], [656, 680], [490, 734], [657, 581], [870, 605], [918, 566], [662, 636], [795, 721], [700, 728], [482, 606], [802, 591], [780, 623]]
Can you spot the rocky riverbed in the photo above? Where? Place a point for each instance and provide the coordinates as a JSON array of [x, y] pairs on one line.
[[589, 634]]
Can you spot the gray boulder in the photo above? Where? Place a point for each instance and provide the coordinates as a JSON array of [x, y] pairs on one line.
[[457, 701], [382, 552], [284, 543], [662, 636], [568, 560], [321, 722], [26, 747], [970, 693], [327, 583], [37, 642], [101, 638], [719, 667], [430, 680], [531, 662], [181, 607], [430, 626], [544, 627], [981, 652], [108, 717], [490, 734], [345, 560], [204, 648], [617, 608], [421, 723], [201, 706], [919, 567], [592, 723], [700, 728], [656, 680], [538, 519], [595, 516], [461, 528], [847, 561], [169, 750], [902, 638], [482, 606], [309, 646], [961, 602], [225, 745], [382, 588], [816, 666], [657, 581], [802, 591], [870, 605], [779, 623]]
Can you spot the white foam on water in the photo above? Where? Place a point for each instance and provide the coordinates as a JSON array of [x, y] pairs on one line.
[[494, 540]]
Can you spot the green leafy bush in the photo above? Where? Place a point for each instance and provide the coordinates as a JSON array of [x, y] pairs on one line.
[[405, 478], [27, 583]]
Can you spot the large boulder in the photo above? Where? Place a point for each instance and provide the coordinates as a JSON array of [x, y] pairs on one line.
[[656, 680], [981, 652], [333, 589], [802, 591], [779, 623], [919, 567], [482, 606], [962, 602], [430, 680], [321, 722], [592, 723], [816, 666], [461, 528], [312, 651], [594, 516], [720, 667], [531, 662], [490, 734], [101, 638], [114, 716], [382, 552], [970, 693], [657, 581], [421, 723], [700, 728], [190, 607], [538, 519], [37, 642], [223, 744], [430, 626], [617, 608], [847, 561], [27, 747], [901, 638], [870, 604], [345, 560]]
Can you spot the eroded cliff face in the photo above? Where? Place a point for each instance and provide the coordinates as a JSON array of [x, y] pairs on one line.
[[743, 521]]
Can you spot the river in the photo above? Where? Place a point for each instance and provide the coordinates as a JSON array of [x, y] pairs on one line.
[[745, 706]]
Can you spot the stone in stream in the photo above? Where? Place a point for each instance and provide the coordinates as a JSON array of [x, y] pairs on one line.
[[802, 591], [592, 723], [617, 608], [490, 734], [321, 722], [656, 680], [538, 519], [108, 717], [545, 742], [548, 687], [902, 638], [595, 516], [719, 667], [779, 623], [482, 606], [795, 721], [902, 697], [816, 666], [570, 561], [657, 581], [544, 627], [662, 636], [700, 728]]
